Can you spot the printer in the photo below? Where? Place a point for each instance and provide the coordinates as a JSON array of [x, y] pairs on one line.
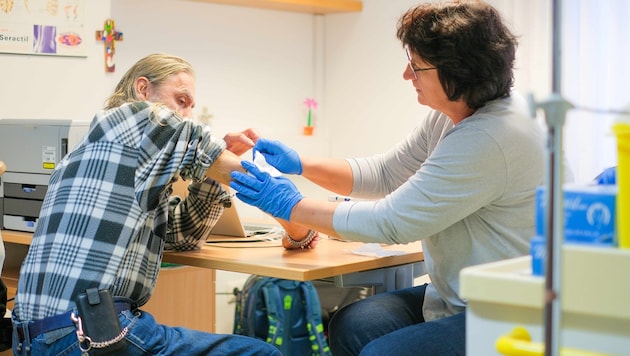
[[31, 149]]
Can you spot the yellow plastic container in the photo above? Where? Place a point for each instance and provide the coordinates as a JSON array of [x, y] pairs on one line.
[[622, 131]]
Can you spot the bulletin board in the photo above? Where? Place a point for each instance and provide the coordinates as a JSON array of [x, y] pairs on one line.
[[43, 27]]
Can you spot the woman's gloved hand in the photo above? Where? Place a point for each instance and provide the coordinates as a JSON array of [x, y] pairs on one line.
[[274, 195], [279, 155]]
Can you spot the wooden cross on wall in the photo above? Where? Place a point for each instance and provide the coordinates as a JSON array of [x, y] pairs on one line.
[[109, 36]]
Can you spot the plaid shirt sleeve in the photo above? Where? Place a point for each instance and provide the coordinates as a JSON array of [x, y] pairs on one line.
[[190, 220]]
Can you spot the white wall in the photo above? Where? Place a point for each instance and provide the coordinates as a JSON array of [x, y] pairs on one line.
[[36, 87], [253, 67], [595, 74]]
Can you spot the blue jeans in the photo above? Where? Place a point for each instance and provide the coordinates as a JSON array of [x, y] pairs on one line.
[[147, 337], [392, 324]]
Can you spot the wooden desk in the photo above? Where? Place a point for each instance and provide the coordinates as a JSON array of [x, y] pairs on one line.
[[331, 259]]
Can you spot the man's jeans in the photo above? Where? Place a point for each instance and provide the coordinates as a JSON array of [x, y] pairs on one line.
[[392, 324], [147, 337]]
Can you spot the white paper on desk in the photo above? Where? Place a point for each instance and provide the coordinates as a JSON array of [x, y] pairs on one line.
[[375, 250]]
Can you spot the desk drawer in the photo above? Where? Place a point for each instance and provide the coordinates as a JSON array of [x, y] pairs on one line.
[[25, 191], [22, 207]]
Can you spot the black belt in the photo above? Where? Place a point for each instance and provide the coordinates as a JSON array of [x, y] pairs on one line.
[[57, 322]]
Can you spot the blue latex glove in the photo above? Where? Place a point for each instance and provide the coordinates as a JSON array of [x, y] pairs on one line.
[[608, 176], [279, 155], [274, 195]]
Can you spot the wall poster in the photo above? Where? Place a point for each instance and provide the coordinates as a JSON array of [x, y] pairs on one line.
[[43, 27]]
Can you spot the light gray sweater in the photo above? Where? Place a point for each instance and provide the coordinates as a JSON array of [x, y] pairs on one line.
[[467, 191]]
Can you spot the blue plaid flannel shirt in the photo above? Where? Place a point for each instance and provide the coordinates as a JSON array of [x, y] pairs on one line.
[[108, 214]]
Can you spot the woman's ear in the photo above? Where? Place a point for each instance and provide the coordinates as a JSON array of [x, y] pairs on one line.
[[141, 86]]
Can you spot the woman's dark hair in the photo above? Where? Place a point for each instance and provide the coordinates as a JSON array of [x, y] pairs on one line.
[[468, 42]]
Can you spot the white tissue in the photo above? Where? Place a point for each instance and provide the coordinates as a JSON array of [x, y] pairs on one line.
[[263, 166]]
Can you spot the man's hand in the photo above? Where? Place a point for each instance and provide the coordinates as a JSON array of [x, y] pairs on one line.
[[276, 196], [240, 142], [286, 244], [296, 231], [277, 154]]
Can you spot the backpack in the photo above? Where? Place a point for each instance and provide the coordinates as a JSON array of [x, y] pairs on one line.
[[282, 312]]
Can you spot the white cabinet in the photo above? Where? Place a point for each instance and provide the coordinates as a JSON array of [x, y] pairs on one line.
[[594, 298]]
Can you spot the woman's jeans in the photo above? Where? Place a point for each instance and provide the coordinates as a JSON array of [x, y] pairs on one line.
[[147, 337], [392, 324]]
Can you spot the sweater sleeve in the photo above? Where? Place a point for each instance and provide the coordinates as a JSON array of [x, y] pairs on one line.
[[449, 185]]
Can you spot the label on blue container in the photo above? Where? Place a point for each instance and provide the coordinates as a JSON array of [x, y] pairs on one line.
[[589, 214]]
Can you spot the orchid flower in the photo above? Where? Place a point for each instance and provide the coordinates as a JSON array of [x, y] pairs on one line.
[[310, 104]]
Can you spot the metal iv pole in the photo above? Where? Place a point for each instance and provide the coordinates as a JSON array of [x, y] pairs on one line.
[[555, 108]]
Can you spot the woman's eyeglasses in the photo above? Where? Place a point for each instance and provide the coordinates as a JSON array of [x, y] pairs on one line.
[[414, 69]]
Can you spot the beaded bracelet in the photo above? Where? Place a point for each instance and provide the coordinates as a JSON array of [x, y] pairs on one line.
[[303, 243]]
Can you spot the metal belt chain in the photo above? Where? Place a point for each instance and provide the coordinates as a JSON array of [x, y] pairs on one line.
[[86, 343]]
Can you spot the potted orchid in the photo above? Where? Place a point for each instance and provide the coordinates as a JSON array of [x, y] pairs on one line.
[[311, 104]]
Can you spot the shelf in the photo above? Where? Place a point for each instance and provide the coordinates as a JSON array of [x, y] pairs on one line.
[[306, 6]]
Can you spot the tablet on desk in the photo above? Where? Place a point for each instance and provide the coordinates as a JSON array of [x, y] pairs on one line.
[[230, 228]]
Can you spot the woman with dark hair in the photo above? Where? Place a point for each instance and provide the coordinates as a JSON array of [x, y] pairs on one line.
[[463, 182]]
